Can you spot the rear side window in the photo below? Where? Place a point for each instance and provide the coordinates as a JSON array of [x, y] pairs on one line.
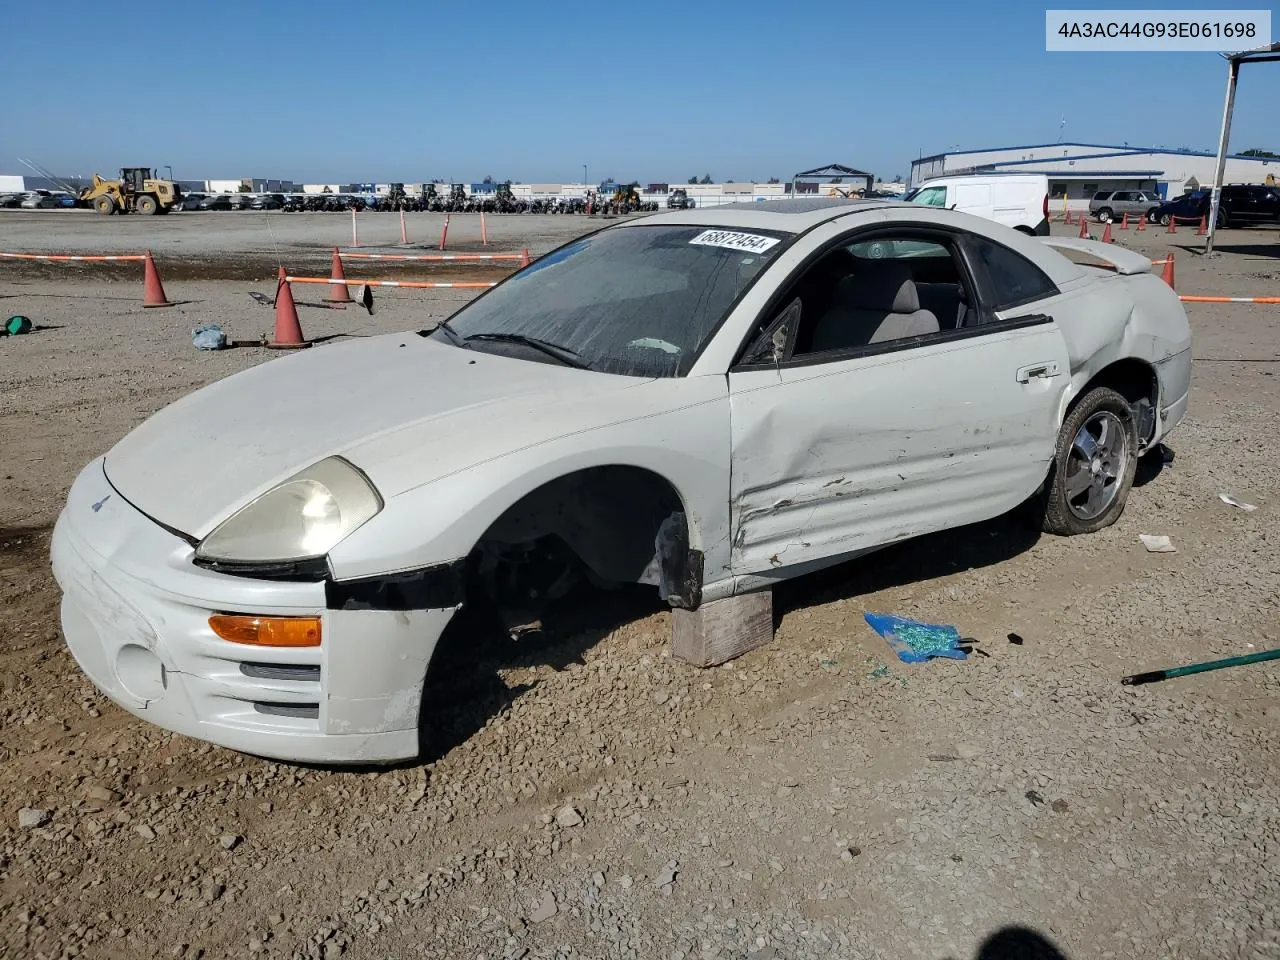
[[1009, 279], [1102, 195]]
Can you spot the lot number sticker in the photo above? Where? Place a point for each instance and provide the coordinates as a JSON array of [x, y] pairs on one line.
[[734, 241]]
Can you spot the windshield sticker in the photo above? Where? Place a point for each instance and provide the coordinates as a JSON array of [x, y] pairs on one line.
[[734, 241]]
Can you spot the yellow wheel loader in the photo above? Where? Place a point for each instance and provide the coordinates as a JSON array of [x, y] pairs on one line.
[[135, 192]]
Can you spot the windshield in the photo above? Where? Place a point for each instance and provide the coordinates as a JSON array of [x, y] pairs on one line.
[[637, 300]]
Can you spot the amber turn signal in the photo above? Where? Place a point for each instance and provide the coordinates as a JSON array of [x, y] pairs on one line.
[[267, 631]]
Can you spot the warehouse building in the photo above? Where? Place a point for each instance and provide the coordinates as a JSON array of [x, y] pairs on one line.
[[1078, 170]]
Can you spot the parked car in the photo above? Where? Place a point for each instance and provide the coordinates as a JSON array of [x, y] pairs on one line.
[[294, 202], [11, 200], [241, 201], [1241, 205], [268, 201], [219, 201], [1108, 205], [39, 200], [1020, 200], [191, 201], [707, 401]]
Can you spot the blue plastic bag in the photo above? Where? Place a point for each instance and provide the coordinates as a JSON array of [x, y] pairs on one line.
[[916, 642], [208, 338]]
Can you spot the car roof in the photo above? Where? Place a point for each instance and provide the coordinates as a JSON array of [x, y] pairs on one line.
[[787, 216]]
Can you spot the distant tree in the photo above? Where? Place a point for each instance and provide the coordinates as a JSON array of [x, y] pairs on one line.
[[488, 179], [326, 189], [693, 179], [706, 178], [1256, 152], [245, 188], [774, 180]]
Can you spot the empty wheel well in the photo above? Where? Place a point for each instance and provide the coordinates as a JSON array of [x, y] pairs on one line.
[[607, 517], [1137, 382]]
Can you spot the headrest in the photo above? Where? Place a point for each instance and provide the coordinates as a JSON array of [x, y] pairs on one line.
[[886, 286]]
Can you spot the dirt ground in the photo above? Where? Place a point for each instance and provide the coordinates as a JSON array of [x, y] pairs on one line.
[[585, 796]]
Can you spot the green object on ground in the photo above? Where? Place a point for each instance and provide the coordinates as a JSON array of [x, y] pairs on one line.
[[1156, 675], [16, 325]]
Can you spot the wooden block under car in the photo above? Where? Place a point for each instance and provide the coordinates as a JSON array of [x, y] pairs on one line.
[[722, 629]]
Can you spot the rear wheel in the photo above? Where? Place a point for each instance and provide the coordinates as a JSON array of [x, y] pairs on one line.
[[1221, 219], [1105, 215], [1162, 219], [104, 205], [1093, 465], [147, 204]]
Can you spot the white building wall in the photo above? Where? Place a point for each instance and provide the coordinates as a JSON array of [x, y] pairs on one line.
[[12, 183], [1178, 169], [224, 186]]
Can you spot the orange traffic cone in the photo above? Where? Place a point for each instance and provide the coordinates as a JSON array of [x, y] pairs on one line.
[[1106, 233], [1204, 227], [1124, 222], [152, 291], [338, 292], [1167, 274], [1173, 224], [1142, 224], [524, 258], [1067, 219], [1084, 228], [288, 335]]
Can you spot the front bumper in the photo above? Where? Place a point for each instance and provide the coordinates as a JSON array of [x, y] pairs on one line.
[[135, 613], [1174, 375]]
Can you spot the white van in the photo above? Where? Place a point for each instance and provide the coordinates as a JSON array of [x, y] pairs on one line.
[[1018, 200]]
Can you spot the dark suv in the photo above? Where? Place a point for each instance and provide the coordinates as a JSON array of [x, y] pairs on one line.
[[1241, 205]]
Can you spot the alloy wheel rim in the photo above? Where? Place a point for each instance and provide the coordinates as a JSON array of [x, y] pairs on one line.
[[1096, 465]]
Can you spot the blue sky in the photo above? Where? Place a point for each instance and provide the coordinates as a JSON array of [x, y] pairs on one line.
[[657, 91]]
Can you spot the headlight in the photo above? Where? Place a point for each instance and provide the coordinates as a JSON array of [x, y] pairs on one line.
[[302, 518]]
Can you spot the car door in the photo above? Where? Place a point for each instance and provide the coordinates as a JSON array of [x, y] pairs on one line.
[[836, 452], [1269, 205]]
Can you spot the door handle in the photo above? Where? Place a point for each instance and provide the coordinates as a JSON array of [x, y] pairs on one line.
[[1039, 371]]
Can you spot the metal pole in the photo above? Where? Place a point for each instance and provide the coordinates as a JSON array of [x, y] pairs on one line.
[[1233, 75]]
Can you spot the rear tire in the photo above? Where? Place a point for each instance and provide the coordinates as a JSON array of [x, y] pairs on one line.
[[1093, 465], [147, 204], [1105, 215], [104, 205]]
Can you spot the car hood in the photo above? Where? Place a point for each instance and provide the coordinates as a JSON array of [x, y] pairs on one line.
[[195, 462]]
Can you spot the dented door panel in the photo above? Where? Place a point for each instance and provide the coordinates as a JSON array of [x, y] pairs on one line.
[[835, 458]]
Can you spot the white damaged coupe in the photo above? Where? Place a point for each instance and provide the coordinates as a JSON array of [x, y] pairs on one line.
[[708, 401]]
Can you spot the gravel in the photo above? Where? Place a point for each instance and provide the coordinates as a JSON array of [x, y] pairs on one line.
[[587, 796]]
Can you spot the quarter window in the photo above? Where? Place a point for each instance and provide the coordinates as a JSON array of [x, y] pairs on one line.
[[1011, 279]]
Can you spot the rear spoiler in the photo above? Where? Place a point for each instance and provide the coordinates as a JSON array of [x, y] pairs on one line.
[[1118, 258]]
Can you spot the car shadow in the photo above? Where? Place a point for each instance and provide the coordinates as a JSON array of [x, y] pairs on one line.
[[1267, 250], [920, 558], [464, 688], [1153, 463]]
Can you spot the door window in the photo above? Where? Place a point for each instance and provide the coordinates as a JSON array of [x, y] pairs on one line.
[[894, 286]]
